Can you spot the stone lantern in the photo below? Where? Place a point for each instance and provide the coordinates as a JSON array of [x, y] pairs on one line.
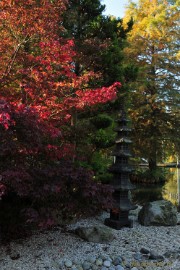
[[121, 171]]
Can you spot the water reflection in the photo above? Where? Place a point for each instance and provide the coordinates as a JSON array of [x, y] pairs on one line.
[[170, 190]]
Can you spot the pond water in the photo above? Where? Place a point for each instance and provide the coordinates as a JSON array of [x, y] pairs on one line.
[[170, 190]]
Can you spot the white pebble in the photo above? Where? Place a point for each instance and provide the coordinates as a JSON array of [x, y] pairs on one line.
[[107, 263]]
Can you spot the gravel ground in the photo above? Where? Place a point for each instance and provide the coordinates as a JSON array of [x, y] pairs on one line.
[[49, 250]]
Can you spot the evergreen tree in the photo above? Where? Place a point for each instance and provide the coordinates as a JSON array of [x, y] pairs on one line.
[[154, 48], [99, 44], [78, 18]]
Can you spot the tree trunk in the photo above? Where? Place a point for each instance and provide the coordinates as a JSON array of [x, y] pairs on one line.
[[152, 164]]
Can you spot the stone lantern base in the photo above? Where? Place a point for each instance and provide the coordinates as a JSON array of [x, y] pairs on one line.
[[118, 220]]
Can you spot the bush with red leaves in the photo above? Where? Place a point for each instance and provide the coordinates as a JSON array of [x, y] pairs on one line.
[[36, 173]]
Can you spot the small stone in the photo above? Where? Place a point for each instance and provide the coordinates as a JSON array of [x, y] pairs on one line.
[[155, 256], [111, 268], [14, 255], [119, 267], [104, 268], [134, 268], [75, 261], [68, 263], [91, 259], [50, 239], [144, 251], [145, 256], [109, 259], [104, 257], [55, 264], [127, 264], [138, 256], [38, 254], [117, 261], [107, 263], [172, 254], [74, 268], [95, 267], [79, 267], [86, 265], [99, 262]]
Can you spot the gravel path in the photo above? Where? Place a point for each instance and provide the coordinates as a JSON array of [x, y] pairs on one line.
[[53, 249]]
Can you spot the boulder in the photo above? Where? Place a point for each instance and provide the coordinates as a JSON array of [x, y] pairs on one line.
[[158, 213], [135, 212], [96, 234], [178, 218]]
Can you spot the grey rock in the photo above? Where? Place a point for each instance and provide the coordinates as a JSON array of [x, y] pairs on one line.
[[158, 213], [14, 255], [134, 268], [56, 265], [117, 261], [127, 264], [145, 256], [104, 268], [96, 234], [86, 265], [144, 250], [107, 263], [99, 262], [95, 267], [172, 254], [155, 256], [79, 267], [119, 267], [74, 268], [109, 259], [135, 212], [111, 268], [178, 215], [104, 256], [50, 239], [68, 263], [138, 256], [38, 254], [75, 261], [91, 259], [113, 257]]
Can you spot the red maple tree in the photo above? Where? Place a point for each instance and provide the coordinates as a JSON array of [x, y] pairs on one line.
[[38, 93]]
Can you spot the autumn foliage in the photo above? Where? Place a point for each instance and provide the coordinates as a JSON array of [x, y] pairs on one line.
[[39, 92]]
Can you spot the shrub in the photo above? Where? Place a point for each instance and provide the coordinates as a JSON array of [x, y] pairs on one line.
[[149, 176], [36, 174], [101, 121]]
